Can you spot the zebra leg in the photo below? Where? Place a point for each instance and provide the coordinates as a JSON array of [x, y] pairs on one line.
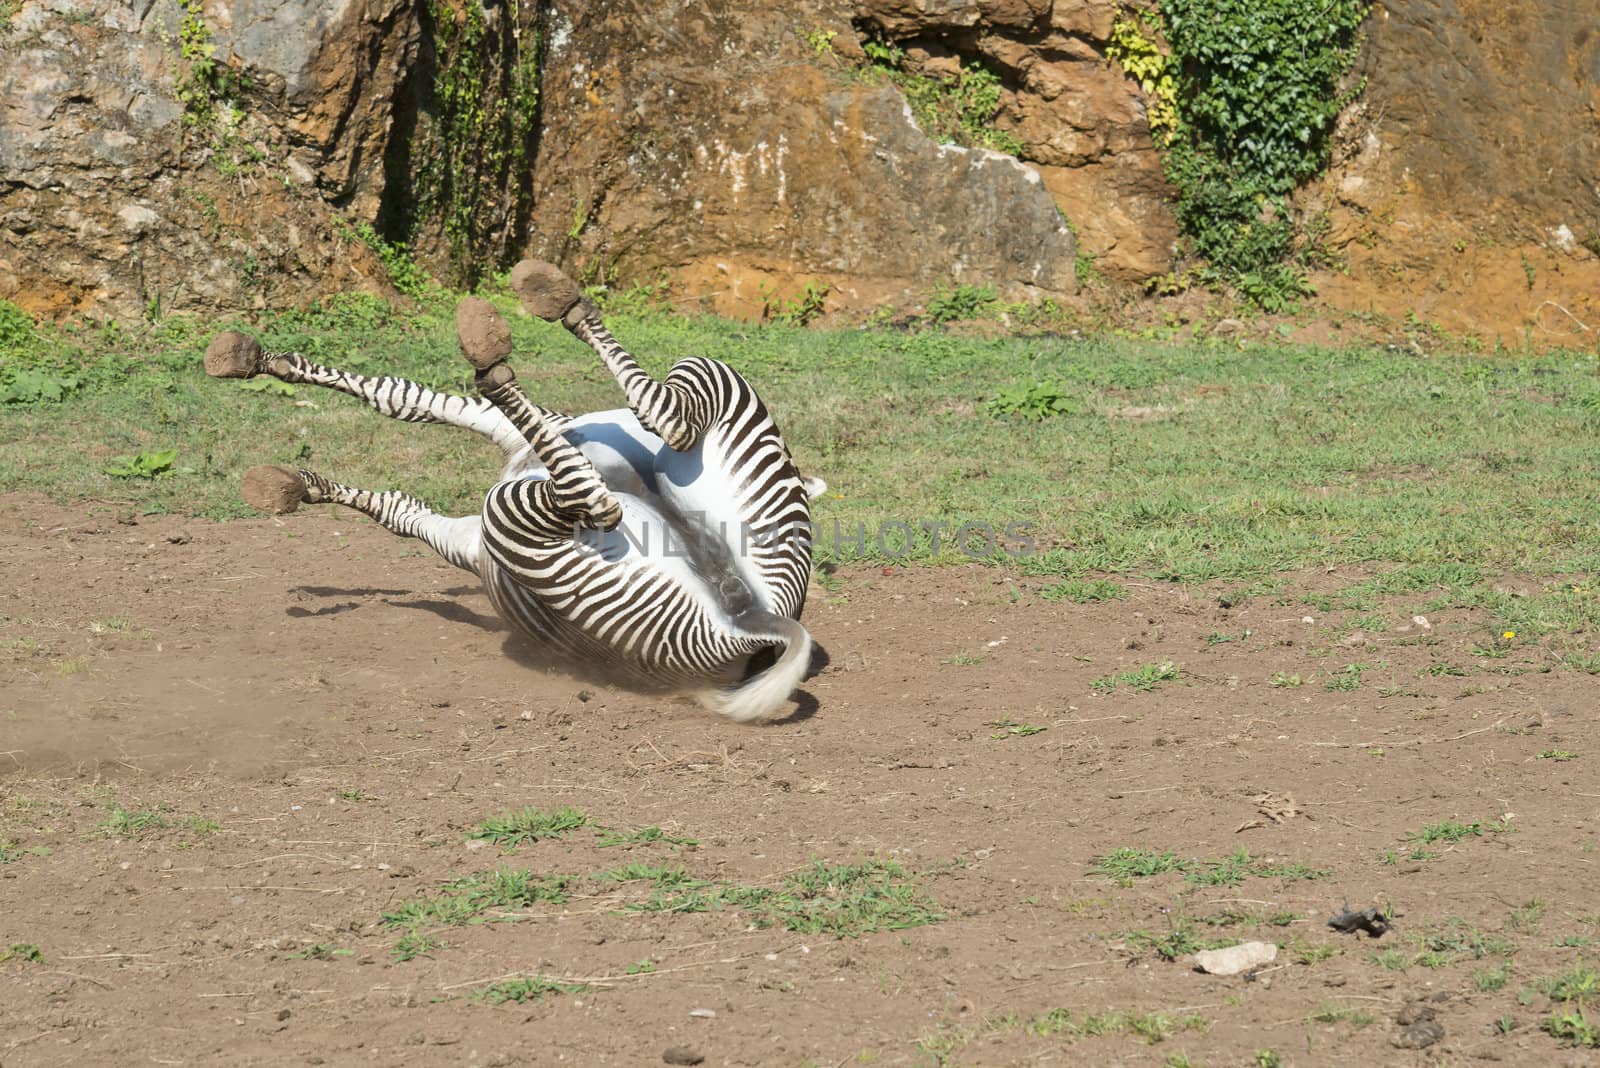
[[537, 509], [235, 355], [277, 490], [675, 415]]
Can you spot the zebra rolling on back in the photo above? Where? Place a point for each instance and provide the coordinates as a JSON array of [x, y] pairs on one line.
[[670, 539]]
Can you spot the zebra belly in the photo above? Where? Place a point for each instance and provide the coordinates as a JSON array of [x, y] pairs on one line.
[[645, 597]]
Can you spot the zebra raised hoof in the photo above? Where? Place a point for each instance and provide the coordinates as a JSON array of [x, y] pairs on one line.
[[669, 540]]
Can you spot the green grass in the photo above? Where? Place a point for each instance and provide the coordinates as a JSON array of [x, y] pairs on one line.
[[22, 951], [135, 823], [842, 900], [944, 1045], [1291, 457], [513, 828], [1084, 591], [526, 988], [1127, 863], [1142, 679]]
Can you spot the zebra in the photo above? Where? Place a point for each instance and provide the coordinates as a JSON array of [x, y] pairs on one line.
[[669, 541]]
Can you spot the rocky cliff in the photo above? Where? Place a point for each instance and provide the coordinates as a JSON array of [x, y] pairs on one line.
[[196, 154]]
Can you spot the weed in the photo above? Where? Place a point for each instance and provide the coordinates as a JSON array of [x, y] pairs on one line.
[[1010, 728], [527, 988], [153, 464], [1392, 960], [321, 951], [1558, 755], [1347, 678], [1080, 591], [1329, 1013], [1126, 863], [23, 951], [1526, 916], [1574, 1028], [963, 658], [1145, 678], [1578, 983], [961, 302], [844, 900], [1487, 980], [1281, 679], [1035, 402], [960, 109], [642, 836], [510, 829]]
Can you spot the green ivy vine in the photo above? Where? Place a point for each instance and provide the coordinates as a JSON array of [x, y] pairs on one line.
[[1244, 95], [473, 155]]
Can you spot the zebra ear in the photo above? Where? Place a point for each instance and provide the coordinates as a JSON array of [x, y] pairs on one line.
[[543, 290], [815, 487]]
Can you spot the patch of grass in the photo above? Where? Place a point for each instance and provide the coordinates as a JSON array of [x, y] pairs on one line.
[[1010, 728], [1084, 591], [1282, 679], [1127, 863], [1558, 755], [135, 823], [156, 463], [843, 900], [1330, 1013], [642, 836], [963, 658], [1390, 960], [1488, 980], [512, 828], [321, 951], [527, 988], [501, 894], [1143, 679], [1034, 402], [1450, 832], [23, 951], [1526, 916], [1180, 939], [1347, 678], [1455, 941]]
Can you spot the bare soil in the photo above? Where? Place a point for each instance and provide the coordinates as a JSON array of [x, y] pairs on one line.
[[346, 708]]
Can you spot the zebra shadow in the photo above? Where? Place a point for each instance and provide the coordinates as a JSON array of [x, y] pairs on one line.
[[528, 653]]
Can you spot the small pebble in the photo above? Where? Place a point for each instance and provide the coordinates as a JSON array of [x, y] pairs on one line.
[[681, 1055], [704, 1014]]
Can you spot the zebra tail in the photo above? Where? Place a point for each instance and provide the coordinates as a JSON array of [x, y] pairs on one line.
[[769, 691]]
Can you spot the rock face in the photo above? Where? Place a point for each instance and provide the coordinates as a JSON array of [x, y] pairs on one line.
[[111, 204], [1081, 121], [745, 165], [1469, 179], [708, 141], [736, 149]]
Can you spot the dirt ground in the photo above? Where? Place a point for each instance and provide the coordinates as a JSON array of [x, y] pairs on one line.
[[320, 713]]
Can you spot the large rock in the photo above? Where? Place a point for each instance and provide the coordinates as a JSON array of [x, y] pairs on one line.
[[111, 205], [1081, 120], [1465, 190], [712, 143]]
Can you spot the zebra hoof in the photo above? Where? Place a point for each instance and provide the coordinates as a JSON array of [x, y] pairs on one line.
[[273, 490], [543, 290], [484, 335], [233, 355]]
